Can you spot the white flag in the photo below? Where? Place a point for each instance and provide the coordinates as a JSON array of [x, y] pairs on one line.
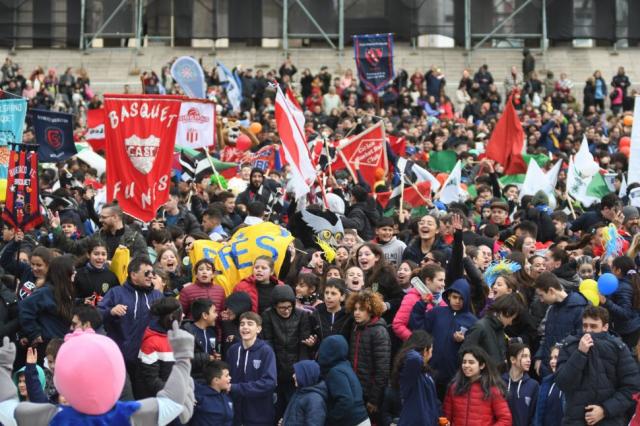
[[537, 180], [421, 173], [634, 155], [451, 190], [196, 125]]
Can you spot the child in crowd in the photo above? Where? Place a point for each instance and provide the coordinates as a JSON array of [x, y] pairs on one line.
[[20, 380], [306, 292], [205, 335], [332, 271], [345, 405], [522, 390], [433, 277], [308, 405], [254, 378], [448, 325], [390, 245], [330, 317], [94, 279], [354, 278], [476, 394], [550, 404], [32, 372], [33, 274], [420, 404], [370, 347], [213, 403], [260, 285], [202, 288], [236, 305]]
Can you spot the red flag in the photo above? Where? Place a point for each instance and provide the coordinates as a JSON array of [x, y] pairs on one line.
[[398, 145], [507, 142], [140, 133], [95, 129], [369, 148], [414, 195]]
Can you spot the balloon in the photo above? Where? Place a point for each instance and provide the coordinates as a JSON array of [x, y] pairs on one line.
[[625, 150], [607, 284], [627, 120], [624, 141], [255, 128], [589, 289], [243, 143]]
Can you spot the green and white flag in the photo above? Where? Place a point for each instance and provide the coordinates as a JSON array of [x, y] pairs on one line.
[[451, 190], [584, 181], [537, 180]]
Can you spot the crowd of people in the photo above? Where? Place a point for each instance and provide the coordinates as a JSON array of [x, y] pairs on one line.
[[466, 313]]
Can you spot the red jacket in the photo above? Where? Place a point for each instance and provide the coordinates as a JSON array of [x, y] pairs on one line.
[[471, 409], [194, 291], [400, 324], [248, 285]]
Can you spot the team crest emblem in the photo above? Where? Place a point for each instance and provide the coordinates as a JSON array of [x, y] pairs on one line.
[[54, 137], [373, 56], [257, 363], [105, 287], [142, 152]]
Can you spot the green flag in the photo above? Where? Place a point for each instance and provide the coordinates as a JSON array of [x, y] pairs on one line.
[[598, 187], [512, 179], [541, 159], [442, 161]]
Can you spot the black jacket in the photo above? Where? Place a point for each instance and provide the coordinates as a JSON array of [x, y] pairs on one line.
[[606, 376], [90, 280], [205, 342], [286, 334], [384, 282], [488, 333], [8, 312], [362, 217], [325, 324], [185, 220], [370, 356]]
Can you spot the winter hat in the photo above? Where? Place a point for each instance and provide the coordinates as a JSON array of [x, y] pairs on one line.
[[238, 302], [307, 373], [630, 213], [282, 293], [540, 198]]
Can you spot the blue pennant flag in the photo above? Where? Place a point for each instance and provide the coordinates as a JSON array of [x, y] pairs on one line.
[[374, 59], [188, 73], [233, 85], [54, 134]]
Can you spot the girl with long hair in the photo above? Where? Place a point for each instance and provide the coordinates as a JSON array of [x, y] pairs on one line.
[[476, 396], [522, 390]]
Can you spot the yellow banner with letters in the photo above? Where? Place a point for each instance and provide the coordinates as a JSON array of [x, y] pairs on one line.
[[233, 260]]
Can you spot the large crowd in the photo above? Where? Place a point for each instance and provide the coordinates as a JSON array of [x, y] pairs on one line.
[[467, 313]]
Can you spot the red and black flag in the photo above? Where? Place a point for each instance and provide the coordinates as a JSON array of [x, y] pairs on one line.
[[22, 205]]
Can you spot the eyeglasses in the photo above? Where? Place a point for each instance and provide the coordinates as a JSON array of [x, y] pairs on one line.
[[285, 308]]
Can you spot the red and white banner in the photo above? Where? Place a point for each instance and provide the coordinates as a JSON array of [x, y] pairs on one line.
[[196, 126], [95, 129], [290, 123], [140, 132], [369, 149]]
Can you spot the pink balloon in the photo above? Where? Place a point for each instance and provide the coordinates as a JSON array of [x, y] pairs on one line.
[[624, 141]]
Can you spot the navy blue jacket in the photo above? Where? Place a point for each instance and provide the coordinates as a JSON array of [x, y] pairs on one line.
[[414, 253], [522, 397], [550, 406], [563, 319], [441, 322], [346, 403], [212, 408], [253, 382], [38, 315], [420, 404], [308, 406], [624, 318], [127, 331]]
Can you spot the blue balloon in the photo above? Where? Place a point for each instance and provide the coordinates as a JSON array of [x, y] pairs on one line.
[[607, 284]]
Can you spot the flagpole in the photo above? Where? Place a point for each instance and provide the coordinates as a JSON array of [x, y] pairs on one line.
[[326, 148], [401, 197], [206, 151], [569, 199]]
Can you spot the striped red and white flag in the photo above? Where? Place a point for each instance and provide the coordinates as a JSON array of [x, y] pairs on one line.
[[290, 123]]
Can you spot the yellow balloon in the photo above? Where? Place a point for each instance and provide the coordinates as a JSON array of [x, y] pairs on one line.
[[589, 289]]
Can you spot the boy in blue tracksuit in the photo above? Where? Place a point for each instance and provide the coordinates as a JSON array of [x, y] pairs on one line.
[[252, 365], [213, 403], [447, 325]]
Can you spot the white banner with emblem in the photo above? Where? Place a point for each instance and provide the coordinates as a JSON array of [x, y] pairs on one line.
[[197, 125]]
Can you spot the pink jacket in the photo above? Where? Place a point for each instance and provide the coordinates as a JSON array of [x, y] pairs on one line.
[[400, 324]]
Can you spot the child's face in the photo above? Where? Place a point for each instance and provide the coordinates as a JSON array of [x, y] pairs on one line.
[[360, 314], [261, 271], [332, 297], [470, 366], [169, 261], [436, 285], [211, 316], [349, 240], [249, 329], [455, 301], [522, 360], [333, 273], [355, 279], [204, 273], [51, 363], [98, 257], [500, 288], [586, 271], [303, 289], [342, 255], [366, 258], [222, 383], [553, 359], [384, 234], [68, 229], [22, 386]]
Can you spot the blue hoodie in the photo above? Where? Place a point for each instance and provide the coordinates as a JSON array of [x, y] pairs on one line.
[[308, 405], [212, 408], [38, 315], [345, 403], [522, 397], [127, 331], [550, 406], [253, 382], [441, 322], [420, 404]]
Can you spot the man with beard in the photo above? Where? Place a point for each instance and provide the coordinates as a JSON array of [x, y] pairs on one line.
[[256, 191], [631, 223]]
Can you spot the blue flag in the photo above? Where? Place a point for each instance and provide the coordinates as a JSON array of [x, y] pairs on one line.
[[54, 134], [12, 114], [374, 59], [188, 73], [233, 85]]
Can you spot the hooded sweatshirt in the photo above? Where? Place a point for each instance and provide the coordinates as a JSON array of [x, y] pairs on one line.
[[212, 408], [308, 405], [441, 322], [522, 396], [253, 382], [420, 404], [345, 403]]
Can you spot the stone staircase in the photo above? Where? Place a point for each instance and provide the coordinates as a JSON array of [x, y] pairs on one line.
[[111, 68]]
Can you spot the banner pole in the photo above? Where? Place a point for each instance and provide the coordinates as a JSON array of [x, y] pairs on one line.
[[214, 168], [401, 197]]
